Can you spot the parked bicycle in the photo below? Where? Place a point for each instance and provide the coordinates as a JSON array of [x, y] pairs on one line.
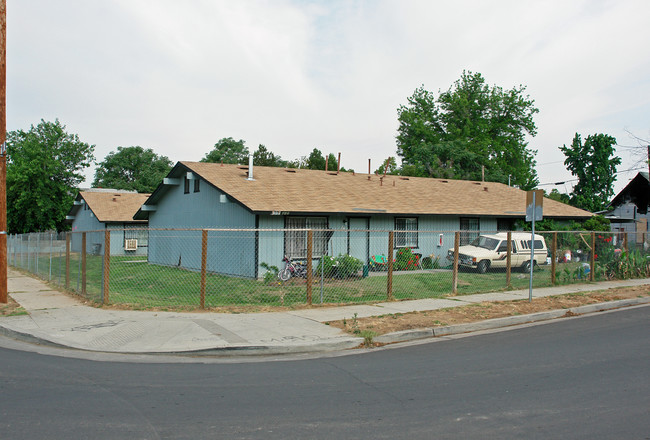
[[292, 269]]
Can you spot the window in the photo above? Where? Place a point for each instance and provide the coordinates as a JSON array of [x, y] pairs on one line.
[[197, 183], [469, 227], [140, 233], [295, 242], [406, 232], [186, 186]]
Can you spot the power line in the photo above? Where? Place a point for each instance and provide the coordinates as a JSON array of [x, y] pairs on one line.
[[575, 180]]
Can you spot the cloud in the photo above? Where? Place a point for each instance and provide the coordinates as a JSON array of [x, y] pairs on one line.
[[297, 75]]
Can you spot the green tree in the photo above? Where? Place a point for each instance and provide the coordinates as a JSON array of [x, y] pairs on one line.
[[132, 168], [390, 164], [265, 158], [594, 164], [316, 161], [228, 150], [469, 130], [558, 196], [45, 166]]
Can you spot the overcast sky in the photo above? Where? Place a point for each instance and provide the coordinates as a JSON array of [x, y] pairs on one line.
[[177, 76]]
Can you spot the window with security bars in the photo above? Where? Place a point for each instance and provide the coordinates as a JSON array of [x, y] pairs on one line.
[[469, 229], [141, 234], [295, 242], [406, 232]]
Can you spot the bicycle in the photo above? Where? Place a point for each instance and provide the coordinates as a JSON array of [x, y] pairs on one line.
[[292, 269]]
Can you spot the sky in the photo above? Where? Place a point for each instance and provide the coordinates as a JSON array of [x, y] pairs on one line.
[[294, 75]]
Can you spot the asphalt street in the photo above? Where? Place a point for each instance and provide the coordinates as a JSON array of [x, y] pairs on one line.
[[577, 378]]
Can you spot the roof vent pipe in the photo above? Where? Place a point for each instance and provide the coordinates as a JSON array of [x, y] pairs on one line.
[[250, 167]]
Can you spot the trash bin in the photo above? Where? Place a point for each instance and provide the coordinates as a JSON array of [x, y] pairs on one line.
[[97, 248], [366, 269]]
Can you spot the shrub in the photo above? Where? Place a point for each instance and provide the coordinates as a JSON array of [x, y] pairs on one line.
[[271, 272], [347, 265], [405, 260], [327, 265]]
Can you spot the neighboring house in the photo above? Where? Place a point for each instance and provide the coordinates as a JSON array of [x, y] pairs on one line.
[[208, 195], [630, 210], [100, 209]]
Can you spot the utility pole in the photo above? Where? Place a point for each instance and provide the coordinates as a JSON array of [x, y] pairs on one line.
[[3, 152]]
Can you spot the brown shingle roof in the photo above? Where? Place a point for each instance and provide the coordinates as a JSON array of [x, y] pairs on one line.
[[113, 206], [310, 191]]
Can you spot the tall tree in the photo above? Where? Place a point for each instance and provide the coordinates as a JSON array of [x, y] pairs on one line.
[[594, 164], [45, 167], [470, 130], [265, 158], [316, 161], [228, 150], [132, 168]]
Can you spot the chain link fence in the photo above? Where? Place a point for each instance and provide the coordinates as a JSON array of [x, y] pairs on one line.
[[254, 269]]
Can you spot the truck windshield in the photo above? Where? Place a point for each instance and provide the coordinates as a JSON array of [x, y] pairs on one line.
[[485, 242]]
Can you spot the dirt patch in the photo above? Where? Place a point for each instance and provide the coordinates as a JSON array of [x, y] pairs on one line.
[[12, 308], [479, 312]]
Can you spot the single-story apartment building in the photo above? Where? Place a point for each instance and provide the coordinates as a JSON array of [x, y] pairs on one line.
[[279, 204], [98, 209]]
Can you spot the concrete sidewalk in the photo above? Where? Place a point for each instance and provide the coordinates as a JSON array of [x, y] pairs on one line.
[[57, 319]]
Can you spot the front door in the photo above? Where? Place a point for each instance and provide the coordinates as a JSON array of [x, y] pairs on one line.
[[358, 238]]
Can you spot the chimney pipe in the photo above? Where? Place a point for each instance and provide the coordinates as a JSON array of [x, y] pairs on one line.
[[338, 165], [250, 167], [327, 158]]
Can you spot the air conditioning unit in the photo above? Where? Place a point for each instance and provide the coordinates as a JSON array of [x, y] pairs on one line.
[[131, 244]]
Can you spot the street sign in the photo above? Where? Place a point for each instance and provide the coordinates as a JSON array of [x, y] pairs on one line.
[[534, 203]]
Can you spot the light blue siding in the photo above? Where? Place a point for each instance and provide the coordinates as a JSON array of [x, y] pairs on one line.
[[84, 221], [229, 252]]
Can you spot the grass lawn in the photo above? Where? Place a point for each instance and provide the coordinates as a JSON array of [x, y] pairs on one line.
[[136, 283]]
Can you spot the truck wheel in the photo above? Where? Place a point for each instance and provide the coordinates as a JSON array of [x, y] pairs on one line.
[[526, 267], [482, 266]]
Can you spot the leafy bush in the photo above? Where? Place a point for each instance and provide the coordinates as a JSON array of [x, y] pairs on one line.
[[405, 260], [347, 265], [271, 272], [342, 266], [327, 265], [431, 263]]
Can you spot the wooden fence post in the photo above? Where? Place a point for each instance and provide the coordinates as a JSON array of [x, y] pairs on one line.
[[67, 259], [83, 263], [454, 276], [509, 259], [389, 284], [593, 257], [625, 241], [204, 264], [107, 265], [553, 258], [310, 250]]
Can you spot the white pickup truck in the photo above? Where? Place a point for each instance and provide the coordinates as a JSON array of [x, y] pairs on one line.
[[490, 250]]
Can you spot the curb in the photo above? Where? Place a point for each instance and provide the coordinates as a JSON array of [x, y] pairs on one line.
[[241, 350], [411, 335]]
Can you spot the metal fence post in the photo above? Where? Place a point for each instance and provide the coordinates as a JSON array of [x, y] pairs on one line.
[[29, 242], [553, 258], [310, 248], [204, 265], [107, 266], [509, 260], [389, 282], [67, 260], [454, 276], [83, 263], [50, 271], [38, 249], [593, 256]]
